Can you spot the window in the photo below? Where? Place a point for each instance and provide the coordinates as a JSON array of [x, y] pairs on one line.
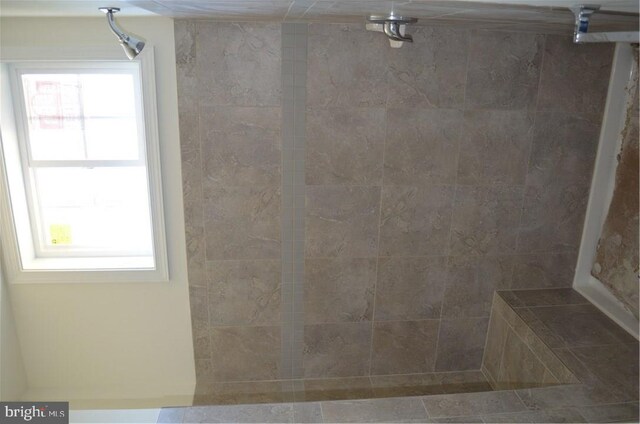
[[81, 169]]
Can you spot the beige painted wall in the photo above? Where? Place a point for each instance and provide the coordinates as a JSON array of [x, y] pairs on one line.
[[127, 344], [13, 380]]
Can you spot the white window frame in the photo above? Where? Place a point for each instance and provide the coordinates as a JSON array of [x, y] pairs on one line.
[[22, 266]]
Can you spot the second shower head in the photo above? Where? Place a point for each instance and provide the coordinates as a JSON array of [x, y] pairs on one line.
[[393, 27]]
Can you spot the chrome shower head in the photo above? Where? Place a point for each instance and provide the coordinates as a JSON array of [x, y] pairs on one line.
[[392, 26], [132, 46]]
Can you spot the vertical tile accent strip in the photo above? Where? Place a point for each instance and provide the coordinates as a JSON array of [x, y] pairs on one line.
[[294, 78]]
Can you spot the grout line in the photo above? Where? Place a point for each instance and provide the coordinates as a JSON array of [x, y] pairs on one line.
[[321, 412], [205, 268], [486, 339], [530, 152], [424, 405], [375, 283], [453, 200]]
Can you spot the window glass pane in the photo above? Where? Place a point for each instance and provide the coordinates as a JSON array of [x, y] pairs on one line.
[[104, 209], [81, 116]]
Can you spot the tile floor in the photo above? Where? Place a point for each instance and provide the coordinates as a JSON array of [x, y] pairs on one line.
[[600, 354]]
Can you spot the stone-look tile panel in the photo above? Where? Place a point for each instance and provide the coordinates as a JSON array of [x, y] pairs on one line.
[[307, 412], [468, 404], [266, 413], [431, 72], [496, 338], [192, 196], [461, 344], [187, 81], [345, 146], [242, 222], [336, 350], [342, 221], [233, 393], [470, 285], [241, 146], [374, 410], [495, 147], [198, 299], [245, 292], [410, 288], [525, 360], [619, 412], [562, 415], [566, 396], [503, 70], [404, 347], [345, 66], [552, 218], [581, 325], [334, 389], [564, 148], [543, 271], [185, 40], [520, 368], [485, 220], [339, 290], [457, 420], [421, 146], [245, 353], [615, 366], [574, 77], [415, 220], [238, 64], [579, 370], [429, 383], [548, 297]]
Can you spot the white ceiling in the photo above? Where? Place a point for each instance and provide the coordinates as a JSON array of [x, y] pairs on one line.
[[552, 13]]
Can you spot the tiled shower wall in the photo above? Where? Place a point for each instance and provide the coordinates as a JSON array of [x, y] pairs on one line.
[[350, 208]]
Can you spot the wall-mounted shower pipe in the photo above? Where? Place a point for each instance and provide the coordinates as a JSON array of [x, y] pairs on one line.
[[583, 14], [392, 26], [132, 46]]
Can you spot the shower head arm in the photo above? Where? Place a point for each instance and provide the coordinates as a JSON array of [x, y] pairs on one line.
[[392, 30], [132, 46], [109, 11]]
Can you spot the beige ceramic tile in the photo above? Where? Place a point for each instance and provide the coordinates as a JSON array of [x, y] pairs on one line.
[[543, 271], [552, 218], [431, 71], [410, 288], [342, 221], [471, 282], [564, 148], [495, 147], [461, 344], [421, 146], [238, 63], [345, 146], [415, 220], [404, 347], [242, 223], [338, 290], [336, 350], [245, 353], [245, 292], [485, 220], [574, 77], [241, 146], [345, 66], [504, 70]]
